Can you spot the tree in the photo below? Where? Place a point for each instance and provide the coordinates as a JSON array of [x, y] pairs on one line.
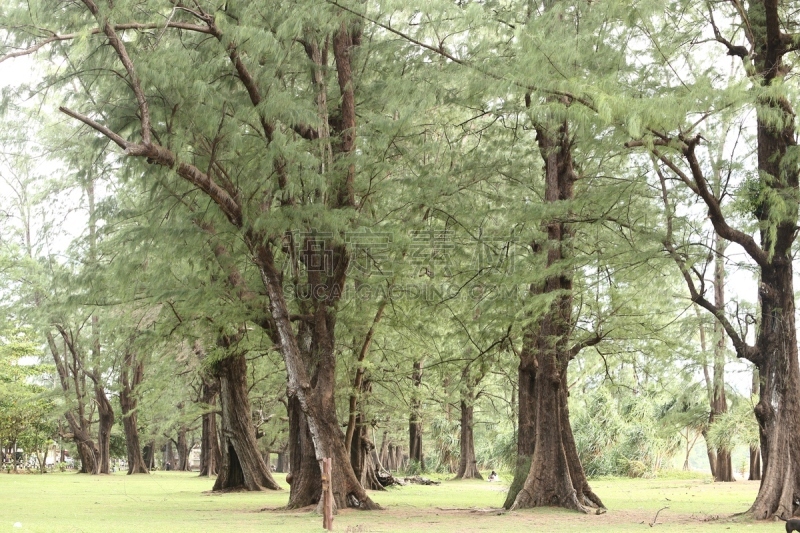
[[771, 205]]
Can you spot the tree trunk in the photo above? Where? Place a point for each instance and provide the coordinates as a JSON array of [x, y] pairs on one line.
[[279, 463], [778, 409], [210, 454], [361, 459], [314, 385], [383, 455], [415, 420], [168, 458], [556, 476], [723, 470], [304, 472], [105, 413], [242, 465], [467, 464], [775, 355], [131, 373], [149, 454], [183, 451]]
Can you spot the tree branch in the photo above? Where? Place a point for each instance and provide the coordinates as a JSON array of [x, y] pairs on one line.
[[164, 157], [743, 350], [56, 37], [733, 50]]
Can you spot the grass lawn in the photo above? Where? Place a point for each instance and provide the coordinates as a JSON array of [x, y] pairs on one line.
[[176, 502]]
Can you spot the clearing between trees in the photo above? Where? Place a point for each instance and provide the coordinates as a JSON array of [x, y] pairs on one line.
[[180, 502]]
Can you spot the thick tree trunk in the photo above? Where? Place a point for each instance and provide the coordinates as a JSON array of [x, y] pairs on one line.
[[210, 453], [526, 422], [242, 465], [131, 374], [556, 476], [304, 471], [775, 355], [778, 409]]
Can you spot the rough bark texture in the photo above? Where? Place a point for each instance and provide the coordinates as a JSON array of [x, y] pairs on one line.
[[555, 476], [210, 453], [131, 374], [775, 354], [304, 470], [242, 465]]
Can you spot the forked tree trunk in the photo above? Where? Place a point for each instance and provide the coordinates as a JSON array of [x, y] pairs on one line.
[[361, 457], [74, 385], [242, 464], [131, 374], [556, 476], [210, 453]]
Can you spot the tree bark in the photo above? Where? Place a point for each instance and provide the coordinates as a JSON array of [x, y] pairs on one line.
[[73, 383], [556, 476], [210, 453], [467, 464], [415, 420], [304, 471], [242, 465], [105, 413], [183, 451], [130, 376], [775, 354]]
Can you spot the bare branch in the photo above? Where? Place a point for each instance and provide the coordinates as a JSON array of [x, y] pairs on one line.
[[733, 50], [55, 37]]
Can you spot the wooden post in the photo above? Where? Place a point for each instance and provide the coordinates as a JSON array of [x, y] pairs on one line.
[[327, 493]]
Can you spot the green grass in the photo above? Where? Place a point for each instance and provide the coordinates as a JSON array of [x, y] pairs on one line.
[[179, 503]]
